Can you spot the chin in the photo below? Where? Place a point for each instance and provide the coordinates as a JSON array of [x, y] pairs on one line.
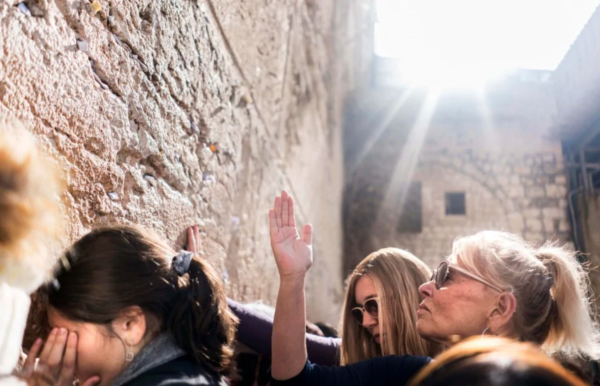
[[422, 328]]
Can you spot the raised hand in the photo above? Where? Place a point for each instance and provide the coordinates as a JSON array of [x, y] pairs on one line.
[[56, 365], [293, 254]]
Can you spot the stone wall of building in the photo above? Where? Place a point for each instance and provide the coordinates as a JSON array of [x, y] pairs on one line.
[[519, 193], [495, 147], [168, 113]]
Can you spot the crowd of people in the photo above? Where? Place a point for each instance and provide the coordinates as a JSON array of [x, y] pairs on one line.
[[121, 307]]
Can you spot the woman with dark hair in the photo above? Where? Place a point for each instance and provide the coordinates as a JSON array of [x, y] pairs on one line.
[[494, 362], [141, 313]]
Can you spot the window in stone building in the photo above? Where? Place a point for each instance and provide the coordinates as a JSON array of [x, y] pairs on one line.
[[455, 203], [410, 220]]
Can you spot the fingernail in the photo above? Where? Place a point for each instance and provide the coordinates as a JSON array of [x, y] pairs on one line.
[[63, 331], [53, 332]]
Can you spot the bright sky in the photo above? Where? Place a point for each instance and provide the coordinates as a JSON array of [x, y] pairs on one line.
[[533, 34]]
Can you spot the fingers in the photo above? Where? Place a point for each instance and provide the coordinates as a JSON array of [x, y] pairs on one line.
[[48, 346], [273, 222], [56, 353], [277, 209], [191, 239], [307, 233], [291, 215], [91, 381], [67, 372], [284, 209], [29, 364]]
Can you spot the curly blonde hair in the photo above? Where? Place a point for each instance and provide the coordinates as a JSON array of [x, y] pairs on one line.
[[31, 209]]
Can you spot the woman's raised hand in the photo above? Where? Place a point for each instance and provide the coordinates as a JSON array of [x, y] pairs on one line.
[[56, 365], [293, 254]]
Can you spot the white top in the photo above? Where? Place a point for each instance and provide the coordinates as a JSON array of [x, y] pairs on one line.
[[14, 304]]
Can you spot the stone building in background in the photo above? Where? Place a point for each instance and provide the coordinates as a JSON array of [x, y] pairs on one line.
[[522, 155], [169, 113], [424, 168], [577, 90]]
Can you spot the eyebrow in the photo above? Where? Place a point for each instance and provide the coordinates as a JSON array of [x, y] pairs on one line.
[[366, 299]]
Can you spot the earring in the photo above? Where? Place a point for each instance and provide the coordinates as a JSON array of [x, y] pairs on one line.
[[129, 353], [484, 331]]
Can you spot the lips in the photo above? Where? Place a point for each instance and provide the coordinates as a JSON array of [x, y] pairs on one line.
[[376, 337], [423, 307]]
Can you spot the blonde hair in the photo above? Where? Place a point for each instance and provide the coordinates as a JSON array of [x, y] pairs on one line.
[[550, 285], [31, 215], [474, 355], [397, 275]]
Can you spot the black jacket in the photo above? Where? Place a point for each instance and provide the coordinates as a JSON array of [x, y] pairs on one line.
[[181, 371]]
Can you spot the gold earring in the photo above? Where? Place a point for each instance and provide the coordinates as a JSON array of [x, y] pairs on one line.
[[129, 353]]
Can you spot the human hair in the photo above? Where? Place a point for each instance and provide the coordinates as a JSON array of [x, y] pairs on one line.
[[30, 208], [549, 284], [494, 361], [397, 275], [113, 268]]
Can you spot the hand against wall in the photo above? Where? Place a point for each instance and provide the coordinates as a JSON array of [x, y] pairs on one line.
[[293, 254], [194, 243]]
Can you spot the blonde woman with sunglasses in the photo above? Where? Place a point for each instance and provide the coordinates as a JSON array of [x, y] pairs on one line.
[[380, 309], [493, 283]]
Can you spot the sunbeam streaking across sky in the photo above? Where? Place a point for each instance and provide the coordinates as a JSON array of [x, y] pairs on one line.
[[396, 193]]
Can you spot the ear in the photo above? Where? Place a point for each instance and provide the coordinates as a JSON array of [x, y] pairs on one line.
[[502, 314], [131, 324]]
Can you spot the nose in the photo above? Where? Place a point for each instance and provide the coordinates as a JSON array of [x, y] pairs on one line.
[[368, 320], [426, 289]]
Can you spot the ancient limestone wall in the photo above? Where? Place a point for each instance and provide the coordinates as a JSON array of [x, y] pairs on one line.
[[173, 112], [495, 147]]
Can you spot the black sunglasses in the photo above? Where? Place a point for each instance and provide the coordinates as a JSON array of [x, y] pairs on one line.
[[371, 307], [440, 275]]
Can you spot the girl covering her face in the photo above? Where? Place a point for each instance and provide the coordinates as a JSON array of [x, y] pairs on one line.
[[142, 313]]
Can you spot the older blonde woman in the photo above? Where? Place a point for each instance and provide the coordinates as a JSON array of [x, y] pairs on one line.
[[492, 283]]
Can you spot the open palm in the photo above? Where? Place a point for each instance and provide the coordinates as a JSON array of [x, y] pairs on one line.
[[293, 254]]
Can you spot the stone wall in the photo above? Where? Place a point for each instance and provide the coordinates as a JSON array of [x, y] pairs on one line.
[[173, 112], [494, 147], [518, 193]]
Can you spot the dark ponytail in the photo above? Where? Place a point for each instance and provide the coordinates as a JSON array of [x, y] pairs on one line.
[[113, 268], [200, 321]]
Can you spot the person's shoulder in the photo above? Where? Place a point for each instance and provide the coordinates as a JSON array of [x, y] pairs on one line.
[[178, 372], [398, 368], [401, 359]]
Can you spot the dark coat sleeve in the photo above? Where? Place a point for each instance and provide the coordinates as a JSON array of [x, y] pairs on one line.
[[382, 371], [255, 331]]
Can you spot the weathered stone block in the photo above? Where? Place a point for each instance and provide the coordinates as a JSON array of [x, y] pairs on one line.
[[516, 222], [516, 191], [553, 213], [534, 191], [533, 225]]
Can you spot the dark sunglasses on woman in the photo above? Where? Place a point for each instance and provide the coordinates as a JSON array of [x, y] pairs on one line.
[[371, 307], [440, 275]]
